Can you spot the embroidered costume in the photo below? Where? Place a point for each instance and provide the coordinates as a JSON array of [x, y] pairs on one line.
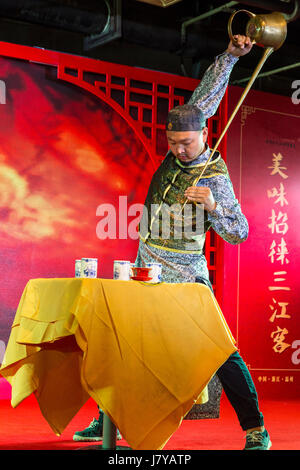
[[182, 256]]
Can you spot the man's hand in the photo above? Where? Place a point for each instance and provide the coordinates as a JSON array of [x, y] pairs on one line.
[[240, 45], [201, 195]]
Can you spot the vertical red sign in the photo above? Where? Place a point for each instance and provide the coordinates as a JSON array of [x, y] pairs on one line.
[[263, 158]]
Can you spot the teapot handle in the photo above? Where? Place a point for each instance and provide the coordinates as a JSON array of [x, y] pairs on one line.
[[229, 27]]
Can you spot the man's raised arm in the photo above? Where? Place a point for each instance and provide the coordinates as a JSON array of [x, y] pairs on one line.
[[208, 95]]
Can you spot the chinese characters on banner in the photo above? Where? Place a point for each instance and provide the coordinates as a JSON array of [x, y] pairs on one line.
[[279, 254]]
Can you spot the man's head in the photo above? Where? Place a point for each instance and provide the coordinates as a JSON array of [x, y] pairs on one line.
[[186, 132]]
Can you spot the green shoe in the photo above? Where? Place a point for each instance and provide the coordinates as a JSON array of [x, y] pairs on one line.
[[257, 440], [94, 432]]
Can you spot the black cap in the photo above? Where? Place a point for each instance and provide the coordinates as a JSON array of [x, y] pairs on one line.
[[186, 117]]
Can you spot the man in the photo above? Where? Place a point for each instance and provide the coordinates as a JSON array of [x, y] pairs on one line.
[[181, 257]]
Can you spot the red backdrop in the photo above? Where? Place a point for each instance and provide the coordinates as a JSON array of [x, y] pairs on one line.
[[62, 154], [261, 280], [75, 134]]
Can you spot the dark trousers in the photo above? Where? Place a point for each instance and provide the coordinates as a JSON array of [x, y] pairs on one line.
[[240, 391], [238, 386]]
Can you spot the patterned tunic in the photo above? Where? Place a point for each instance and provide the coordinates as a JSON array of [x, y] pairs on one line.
[[227, 219]]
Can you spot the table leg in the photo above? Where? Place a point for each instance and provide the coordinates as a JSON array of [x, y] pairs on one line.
[[109, 434], [109, 437]]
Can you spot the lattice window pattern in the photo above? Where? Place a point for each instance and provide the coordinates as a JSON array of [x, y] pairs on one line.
[[146, 101]]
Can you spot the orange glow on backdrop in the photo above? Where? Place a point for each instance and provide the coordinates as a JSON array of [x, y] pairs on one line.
[[63, 152]]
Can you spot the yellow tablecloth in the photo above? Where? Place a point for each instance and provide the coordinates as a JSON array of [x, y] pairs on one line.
[[143, 352]]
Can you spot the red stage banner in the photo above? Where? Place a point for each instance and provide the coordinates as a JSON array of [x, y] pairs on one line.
[[261, 283], [79, 142]]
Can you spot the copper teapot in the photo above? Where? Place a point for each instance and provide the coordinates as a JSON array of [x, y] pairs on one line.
[[266, 30]]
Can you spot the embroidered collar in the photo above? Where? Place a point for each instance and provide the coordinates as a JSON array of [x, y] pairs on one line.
[[200, 160]]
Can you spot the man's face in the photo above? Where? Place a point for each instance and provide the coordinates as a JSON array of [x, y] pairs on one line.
[[187, 145]]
